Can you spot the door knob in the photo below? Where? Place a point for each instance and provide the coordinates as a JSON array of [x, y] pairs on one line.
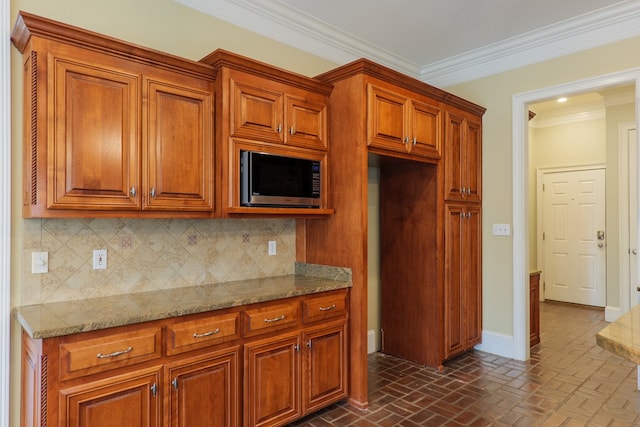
[[634, 251]]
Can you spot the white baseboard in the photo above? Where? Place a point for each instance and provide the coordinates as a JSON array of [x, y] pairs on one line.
[[612, 313], [371, 342], [495, 343]]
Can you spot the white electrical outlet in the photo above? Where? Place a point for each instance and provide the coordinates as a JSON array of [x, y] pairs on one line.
[[272, 247], [39, 262], [100, 259]]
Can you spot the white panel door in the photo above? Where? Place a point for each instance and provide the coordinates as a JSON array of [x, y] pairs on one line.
[[574, 236]]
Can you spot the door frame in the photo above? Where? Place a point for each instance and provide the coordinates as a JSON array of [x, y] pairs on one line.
[[5, 213], [520, 192], [623, 220], [540, 172]]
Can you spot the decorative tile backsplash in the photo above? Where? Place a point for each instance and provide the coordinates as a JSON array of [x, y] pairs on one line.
[[151, 254]]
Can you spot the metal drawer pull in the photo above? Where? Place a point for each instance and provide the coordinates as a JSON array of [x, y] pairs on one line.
[[331, 307], [275, 319], [207, 334], [115, 353]]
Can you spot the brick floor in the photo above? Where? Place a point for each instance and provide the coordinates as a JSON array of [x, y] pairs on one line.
[[568, 381]]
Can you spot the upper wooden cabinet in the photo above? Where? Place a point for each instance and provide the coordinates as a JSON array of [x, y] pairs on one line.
[[403, 122], [463, 159], [111, 129], [276, 114], [263, 108]]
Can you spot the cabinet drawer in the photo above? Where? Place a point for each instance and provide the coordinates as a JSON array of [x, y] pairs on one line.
[[270, 318], [324, 307], [109, 352], [200, 333]]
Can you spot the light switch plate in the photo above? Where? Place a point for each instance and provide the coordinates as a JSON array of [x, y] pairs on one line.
[[39, 262], [501, 229]]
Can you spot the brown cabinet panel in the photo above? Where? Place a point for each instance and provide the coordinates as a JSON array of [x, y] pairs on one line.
[[129, 400], [386, 119], [534, 309], [403, 123], [204, 391], [272, 381], [463, 159], [82, 356], [272, 317], [325, 366], [94, 155], [306, 122], [463, 278], [202, 332], [426, 123], [178, 150], [256, 112]]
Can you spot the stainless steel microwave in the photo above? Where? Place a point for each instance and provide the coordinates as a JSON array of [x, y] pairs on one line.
[[278, 181]]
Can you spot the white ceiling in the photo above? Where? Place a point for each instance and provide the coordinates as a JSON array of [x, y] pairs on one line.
[[442, 42]]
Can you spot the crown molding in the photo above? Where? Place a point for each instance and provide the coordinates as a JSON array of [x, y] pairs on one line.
[[587, 31], [565, 119], [286, 25]]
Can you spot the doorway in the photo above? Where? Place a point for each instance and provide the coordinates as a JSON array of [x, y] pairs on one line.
[[573, 234], [520, 258]]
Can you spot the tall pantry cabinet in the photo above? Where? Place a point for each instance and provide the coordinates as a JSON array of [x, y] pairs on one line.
[[405, 127]]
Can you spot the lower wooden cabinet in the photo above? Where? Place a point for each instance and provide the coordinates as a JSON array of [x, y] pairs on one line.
[[189, 371], [463, 278], [129, 400], [203, 391], [272, 381], [295, 375]]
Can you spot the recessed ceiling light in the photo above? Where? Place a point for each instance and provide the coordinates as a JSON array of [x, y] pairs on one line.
[[563, 99]]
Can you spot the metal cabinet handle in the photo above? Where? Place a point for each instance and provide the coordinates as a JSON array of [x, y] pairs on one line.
[[634, 251], [115, 353], [292, 130], [275, 319], [133, 191], [279, 128], [415, 141], [207, 334], [331, 307], [154, 389], [174, 383], [153, 192]]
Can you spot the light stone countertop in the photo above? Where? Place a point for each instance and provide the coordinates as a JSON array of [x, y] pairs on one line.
[[622, 336], [70, 317]]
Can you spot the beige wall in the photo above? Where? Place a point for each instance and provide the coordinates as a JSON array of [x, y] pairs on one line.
[[496, 93]]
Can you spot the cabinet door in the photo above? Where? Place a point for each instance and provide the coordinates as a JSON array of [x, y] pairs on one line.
[[93, 112], [178, 145], [130, 400], [454, 281], [387, 112], [256, 112], [306, 122], [272, 381], [463, 279], [204, 392], [473, 160], [472, 268], [325, 366], [426, 130], [463, 165]]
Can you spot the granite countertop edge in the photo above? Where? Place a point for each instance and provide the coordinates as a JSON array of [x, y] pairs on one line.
[[51, 320]]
